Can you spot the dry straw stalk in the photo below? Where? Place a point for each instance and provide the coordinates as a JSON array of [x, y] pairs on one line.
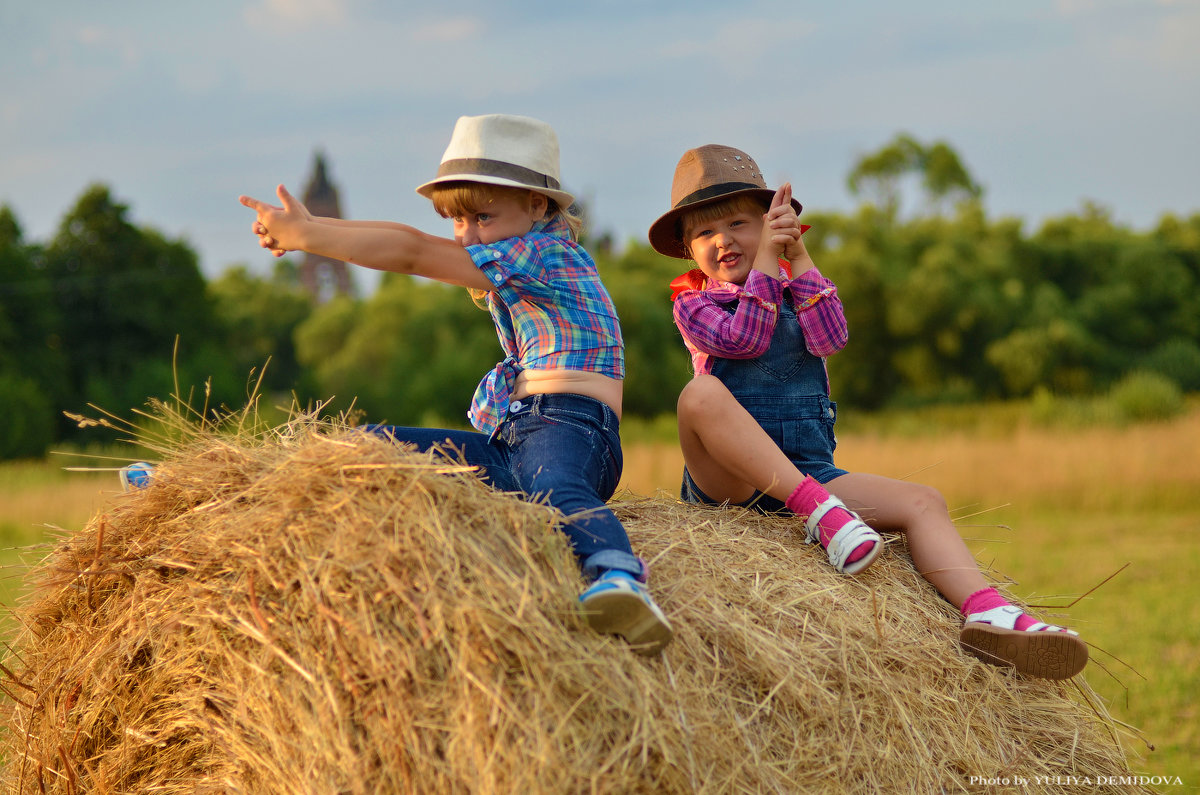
[[316, 610]]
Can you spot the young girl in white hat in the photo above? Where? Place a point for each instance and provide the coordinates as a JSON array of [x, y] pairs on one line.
[[756, 422], [547, 416]]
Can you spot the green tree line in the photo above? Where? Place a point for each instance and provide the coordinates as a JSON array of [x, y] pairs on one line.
[[944, 305]]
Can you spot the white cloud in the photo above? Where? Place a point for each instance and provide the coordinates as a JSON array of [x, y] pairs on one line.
[[1177, 33], [1074, 8], [452, 30], [180, 106], [91, 35], [103, 44], [722, 44], [296, 14]]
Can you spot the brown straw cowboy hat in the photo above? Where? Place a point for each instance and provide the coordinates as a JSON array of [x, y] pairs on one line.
[[499, 149], [704, 175]]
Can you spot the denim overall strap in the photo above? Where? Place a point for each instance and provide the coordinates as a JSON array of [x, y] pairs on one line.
[[787, 391]]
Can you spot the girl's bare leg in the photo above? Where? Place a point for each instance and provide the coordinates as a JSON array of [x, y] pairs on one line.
[[938, 551], [727, 452]]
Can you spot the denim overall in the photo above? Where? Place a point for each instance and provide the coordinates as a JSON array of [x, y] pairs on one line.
[[787, 391]]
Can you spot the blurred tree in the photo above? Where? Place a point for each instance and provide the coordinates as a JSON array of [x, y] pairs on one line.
[[657, 364], [878, 173], [28, 418], [32, 368], [851, 251], [1183, 237], [941, 306], [943, 176], [1178, 359], [321, 341], [411, 354], [260, 317], [1149, 296], [445, 345], [124, 295], [1074, 252]]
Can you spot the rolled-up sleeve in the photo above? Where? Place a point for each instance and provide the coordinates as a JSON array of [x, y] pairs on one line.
[[707, 324], [819, 312]]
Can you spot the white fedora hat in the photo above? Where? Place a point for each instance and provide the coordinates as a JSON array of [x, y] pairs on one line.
[[499, 149]]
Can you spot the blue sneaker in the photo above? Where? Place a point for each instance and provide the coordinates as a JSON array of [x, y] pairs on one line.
[[136, 476], [617, 604]]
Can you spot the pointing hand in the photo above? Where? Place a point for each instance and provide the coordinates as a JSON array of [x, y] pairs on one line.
[[278, 227]]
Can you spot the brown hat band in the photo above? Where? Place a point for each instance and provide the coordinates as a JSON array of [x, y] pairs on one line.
[[713, 191], [467, 167]]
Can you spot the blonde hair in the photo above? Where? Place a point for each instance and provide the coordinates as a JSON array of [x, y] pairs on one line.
[[690, 219], [452, 199]]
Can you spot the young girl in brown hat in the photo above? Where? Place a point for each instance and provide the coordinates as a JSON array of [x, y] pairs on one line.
[[756, 422], [547, 416]]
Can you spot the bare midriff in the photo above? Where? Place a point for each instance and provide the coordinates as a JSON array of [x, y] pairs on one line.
[[575, 382]]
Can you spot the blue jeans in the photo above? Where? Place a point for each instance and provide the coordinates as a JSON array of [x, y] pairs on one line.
[[560, 448]]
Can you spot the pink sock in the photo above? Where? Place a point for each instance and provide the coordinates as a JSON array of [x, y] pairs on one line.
[[805, 499], [990, 599]]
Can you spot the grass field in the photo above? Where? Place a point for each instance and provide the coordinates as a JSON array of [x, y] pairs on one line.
[[38, 501], [1052, 511], [1055, 512]]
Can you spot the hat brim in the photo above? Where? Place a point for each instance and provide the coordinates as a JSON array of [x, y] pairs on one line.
[[667, 238], [564, 199]]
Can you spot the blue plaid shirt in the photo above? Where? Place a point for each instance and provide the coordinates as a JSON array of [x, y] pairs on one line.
[[551, 313]]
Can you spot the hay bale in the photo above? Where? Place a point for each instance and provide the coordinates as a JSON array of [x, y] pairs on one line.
[[321, 611]]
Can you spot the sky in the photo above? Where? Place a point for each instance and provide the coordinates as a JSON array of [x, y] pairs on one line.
[[180, 107]]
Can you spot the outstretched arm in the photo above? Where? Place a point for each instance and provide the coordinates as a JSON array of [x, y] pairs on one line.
[[380, 245]]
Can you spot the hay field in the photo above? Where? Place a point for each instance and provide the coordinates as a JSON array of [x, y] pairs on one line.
[[1057, 511], [1061, 530]]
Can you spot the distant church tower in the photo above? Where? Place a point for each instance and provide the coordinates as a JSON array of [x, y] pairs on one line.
[[323, 277]]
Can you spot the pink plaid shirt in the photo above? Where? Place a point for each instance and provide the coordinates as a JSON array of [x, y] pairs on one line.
[[709, 329]]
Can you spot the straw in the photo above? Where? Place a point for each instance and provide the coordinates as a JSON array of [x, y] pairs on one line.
[[315, 609]]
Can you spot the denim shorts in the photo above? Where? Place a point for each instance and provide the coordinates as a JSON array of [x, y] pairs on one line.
[[763, 503], [803, 430]]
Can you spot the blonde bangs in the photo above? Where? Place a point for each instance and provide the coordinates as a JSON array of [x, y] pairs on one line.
[[745, 202], [455, 199]]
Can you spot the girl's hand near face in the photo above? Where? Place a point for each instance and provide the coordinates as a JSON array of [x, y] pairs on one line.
[[781, 226], [780, 232], [780, 223]]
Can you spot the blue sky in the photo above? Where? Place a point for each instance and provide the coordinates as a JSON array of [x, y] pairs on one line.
[[180, 107]]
